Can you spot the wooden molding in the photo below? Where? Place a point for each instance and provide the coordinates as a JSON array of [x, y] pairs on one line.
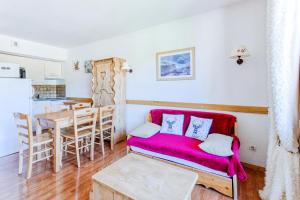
[[219, 107], [254, 167]]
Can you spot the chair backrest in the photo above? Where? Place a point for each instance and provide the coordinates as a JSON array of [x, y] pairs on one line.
[[85, 119], [24, 127], [80, 106], [106, 116], [56, 108]]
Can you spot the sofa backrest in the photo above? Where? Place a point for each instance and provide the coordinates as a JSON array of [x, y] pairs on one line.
[[222, 123]]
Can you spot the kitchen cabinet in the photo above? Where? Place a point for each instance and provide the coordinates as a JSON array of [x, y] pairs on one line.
[[53, 70], [35, 71], [41, 72]]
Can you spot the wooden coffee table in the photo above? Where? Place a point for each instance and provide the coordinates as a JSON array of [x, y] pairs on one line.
[[141, 178]]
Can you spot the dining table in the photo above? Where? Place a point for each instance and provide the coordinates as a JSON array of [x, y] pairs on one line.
[[60, 120]]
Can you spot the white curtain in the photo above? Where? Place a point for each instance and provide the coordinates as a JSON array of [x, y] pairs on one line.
[[283, 44]]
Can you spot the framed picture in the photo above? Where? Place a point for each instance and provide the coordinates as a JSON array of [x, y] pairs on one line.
[[88, 66], [176, 65]]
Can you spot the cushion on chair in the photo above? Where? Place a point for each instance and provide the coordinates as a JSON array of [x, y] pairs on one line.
[[70, 133], [42, 138]]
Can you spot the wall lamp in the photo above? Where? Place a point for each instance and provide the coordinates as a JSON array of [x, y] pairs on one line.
[[126, 67], [239, 54]]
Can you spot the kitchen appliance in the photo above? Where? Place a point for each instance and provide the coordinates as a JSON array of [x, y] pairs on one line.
[[9, 70], [16, 96]]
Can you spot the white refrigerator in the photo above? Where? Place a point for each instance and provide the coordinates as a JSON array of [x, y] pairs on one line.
[[15, 96]]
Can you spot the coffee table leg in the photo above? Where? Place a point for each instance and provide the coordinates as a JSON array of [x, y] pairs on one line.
[[57, 147]]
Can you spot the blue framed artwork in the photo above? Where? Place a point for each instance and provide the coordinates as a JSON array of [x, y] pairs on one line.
[[88, 67], [176, 65]]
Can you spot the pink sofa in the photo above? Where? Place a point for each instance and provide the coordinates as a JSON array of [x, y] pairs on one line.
[[186, 150]]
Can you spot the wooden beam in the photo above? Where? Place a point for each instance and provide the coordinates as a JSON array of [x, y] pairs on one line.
[[219, 107]]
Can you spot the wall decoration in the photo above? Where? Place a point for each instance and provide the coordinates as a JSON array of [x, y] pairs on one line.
[[176, 65], [239, 54], [76, 65], [88, 66]]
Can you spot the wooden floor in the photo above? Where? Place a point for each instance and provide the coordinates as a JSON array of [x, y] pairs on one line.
[[74, 183]]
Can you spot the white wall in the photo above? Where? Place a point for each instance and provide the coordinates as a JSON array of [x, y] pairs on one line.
[[31, 49], [218, 79]]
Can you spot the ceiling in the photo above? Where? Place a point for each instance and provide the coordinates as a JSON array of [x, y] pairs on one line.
[[70, 23]]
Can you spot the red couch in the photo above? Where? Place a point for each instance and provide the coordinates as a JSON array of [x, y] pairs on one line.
[[186, 148]]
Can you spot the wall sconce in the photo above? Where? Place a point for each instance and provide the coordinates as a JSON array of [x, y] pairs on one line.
[[239, 54], [126, 67]]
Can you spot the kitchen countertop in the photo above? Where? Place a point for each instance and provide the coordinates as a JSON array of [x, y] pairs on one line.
[[50, 99]]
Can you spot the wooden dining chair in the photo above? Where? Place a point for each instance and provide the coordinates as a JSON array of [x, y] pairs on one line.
[[105, 130], [40, 147], [78, 106], [83, 134]]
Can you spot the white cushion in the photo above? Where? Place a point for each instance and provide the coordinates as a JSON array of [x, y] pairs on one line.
[[146, 130], [217, 144], [198, 128], [172, 124]]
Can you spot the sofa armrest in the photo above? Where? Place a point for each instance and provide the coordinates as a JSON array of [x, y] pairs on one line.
[[235, 163], [128, 136]]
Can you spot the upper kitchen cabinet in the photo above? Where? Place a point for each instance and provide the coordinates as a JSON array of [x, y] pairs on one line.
[[34, 70], [53, 70], [41, 72]]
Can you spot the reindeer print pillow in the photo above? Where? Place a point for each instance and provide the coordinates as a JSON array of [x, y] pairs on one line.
[[172, 124], [198, 128]]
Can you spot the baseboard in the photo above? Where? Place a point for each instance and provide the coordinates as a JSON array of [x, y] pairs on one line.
[[254, 167]]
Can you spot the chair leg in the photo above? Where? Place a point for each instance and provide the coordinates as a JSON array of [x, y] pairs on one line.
[[66, 147], [46, 153], [112, 143], [30, 159], [81, 144], [61, 150], [102, 144], [92, 146], [77, 152], [21, 158], [87, 141]]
